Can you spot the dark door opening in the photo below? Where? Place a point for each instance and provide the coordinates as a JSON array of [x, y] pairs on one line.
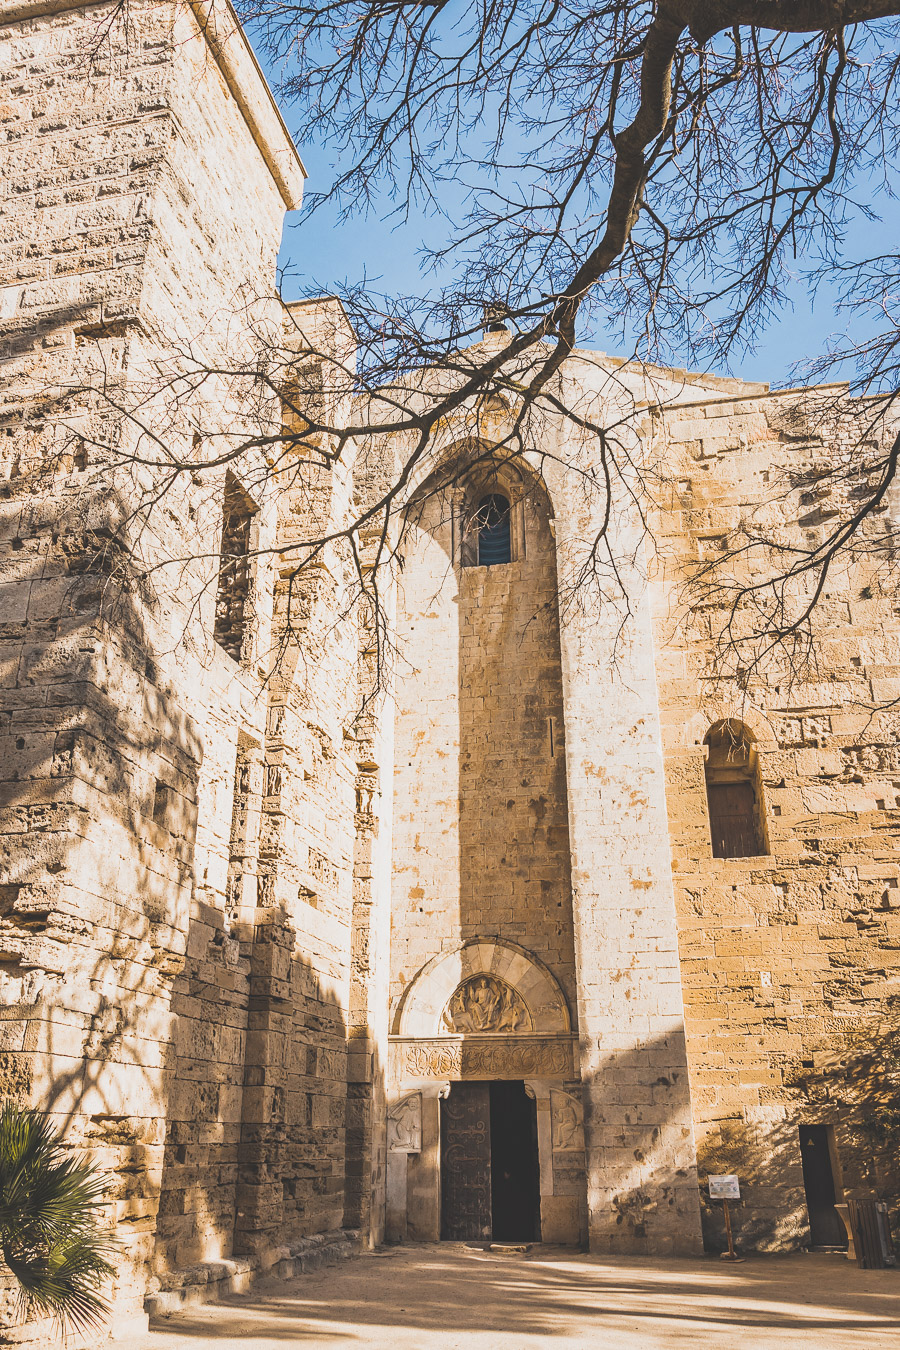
[[515, 1171], [825, 1226], [732, 820], [490, 1175]]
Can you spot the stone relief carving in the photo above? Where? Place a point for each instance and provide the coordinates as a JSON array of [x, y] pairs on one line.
[[434, 1061], [503, 1059], [486, 1004], [567, 1121], [447, 995], [404, 1125], [366, 792]]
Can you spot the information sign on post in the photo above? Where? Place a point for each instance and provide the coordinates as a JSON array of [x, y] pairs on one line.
[[726, 1187]]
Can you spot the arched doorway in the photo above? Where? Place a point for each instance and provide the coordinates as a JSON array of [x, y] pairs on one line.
[[485, 1122]]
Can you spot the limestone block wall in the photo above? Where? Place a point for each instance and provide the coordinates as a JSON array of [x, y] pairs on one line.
[[218, 209], [789, 960], [86, 128], [640, 1157], [87, 970], [641, 1171], [294, 1121], [480, 809], [176, 949]]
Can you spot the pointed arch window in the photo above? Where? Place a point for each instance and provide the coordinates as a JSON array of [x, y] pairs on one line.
[[733, 792], [493, 524], [489, 514]]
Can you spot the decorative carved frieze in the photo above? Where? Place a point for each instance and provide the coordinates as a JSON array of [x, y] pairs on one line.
[[519, 1056], [434, 1061]]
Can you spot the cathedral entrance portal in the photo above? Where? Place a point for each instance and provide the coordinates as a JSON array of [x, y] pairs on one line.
[[489, 1163], [485, 1124]]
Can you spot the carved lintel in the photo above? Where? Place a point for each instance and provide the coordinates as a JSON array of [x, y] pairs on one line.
[[490, 1056]]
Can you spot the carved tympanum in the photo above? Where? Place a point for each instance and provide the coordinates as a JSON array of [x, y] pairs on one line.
[[485, 1004]]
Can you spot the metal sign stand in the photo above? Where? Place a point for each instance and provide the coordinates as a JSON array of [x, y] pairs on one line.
[[726, 1187], [731, 1254]]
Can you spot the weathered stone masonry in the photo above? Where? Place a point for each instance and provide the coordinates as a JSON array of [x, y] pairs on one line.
[[789, 960], [250, 940], [178, 851]]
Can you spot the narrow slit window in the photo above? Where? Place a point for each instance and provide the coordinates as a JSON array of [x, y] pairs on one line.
[[233, 595], [494, 535], [161, 804]]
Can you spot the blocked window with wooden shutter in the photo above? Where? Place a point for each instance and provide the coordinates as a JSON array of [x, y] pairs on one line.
[[733, 792]]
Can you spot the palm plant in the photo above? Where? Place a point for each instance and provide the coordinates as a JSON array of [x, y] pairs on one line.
[[49, 1235]]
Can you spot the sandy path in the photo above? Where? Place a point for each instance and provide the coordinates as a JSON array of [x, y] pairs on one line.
[[463, 1299]]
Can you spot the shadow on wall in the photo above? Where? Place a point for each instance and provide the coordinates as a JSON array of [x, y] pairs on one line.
[[256, 1137], [765, 1156], [205, 1072], [98, 797], [762, 1148], [636, 1108], [850, 1091]]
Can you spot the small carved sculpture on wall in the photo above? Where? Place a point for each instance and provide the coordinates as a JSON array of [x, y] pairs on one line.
[[567, 1116], [486, 1004], [404, 1125]]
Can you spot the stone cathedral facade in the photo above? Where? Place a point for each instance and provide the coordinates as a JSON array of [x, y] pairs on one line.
[[559, 924]]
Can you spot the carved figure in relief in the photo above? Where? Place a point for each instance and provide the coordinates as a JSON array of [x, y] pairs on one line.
[[568, 1123], [404, 1125], [485, 1004]]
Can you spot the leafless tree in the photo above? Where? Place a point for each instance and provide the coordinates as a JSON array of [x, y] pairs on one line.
[[658, 170]]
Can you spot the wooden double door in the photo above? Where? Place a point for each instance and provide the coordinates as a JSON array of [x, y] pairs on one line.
[[490, 1174]]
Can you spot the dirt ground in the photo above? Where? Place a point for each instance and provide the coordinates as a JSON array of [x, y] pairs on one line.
[[460, 1298]]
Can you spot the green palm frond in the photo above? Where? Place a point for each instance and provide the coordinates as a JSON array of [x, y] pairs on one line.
[[48, 1222]]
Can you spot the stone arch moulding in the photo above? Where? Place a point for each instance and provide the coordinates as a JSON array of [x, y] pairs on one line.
[[420, 1012], [457, 453], [466, 470], [759, 726]]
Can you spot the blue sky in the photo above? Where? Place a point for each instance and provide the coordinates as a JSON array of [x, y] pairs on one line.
[[385, 253]]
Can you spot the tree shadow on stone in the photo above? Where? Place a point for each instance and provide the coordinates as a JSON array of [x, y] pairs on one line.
[[98, 794]]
